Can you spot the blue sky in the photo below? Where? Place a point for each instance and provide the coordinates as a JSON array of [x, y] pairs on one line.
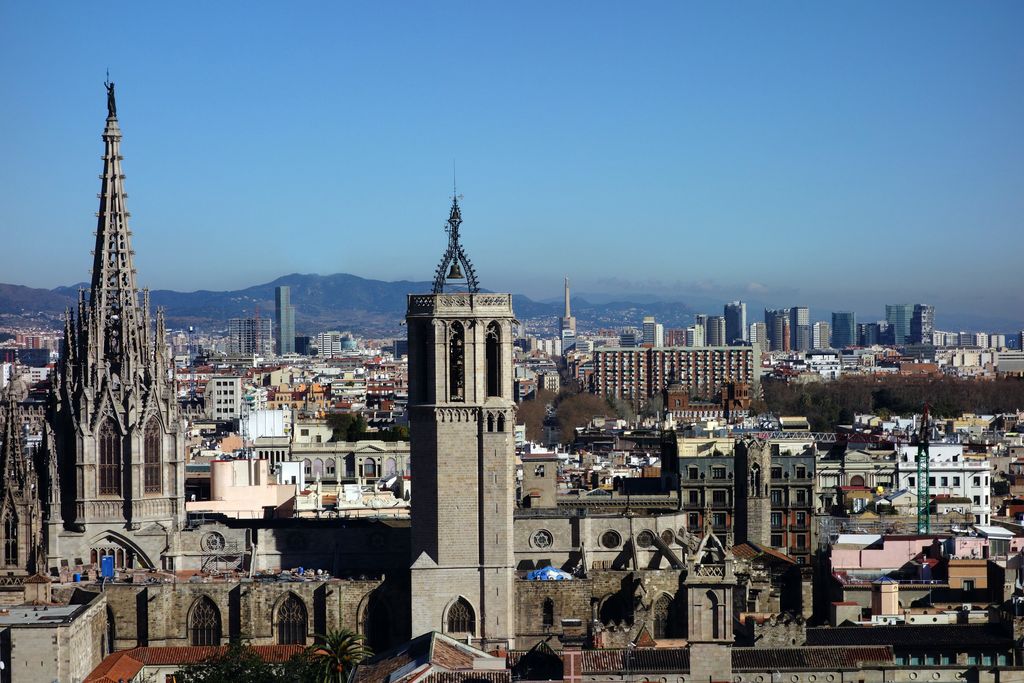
[[841, 155]]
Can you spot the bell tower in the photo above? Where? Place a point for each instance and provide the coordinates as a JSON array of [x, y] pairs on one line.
[[462, 416]]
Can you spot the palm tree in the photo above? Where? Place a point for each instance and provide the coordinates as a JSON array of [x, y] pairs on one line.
[[336, 654]]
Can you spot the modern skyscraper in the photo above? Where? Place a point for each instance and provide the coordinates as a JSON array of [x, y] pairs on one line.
[[776, 322], [922, 324], [736, 322], [716, 331], [249, 336], [898, 316], [284, 321], [654, 332], [869, 334], [821, 335], [758, 336], [800, 328], [844, 329], [695, 336]]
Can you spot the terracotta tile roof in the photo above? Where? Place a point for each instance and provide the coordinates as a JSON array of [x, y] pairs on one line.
[[504, 676], [423, 652], [749, 551], [127, 663], [767, 659], [640, 660], [119, 666]]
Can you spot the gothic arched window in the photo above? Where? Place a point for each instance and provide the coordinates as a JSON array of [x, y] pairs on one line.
[[204, 623], [10, 537], [662, 614], [549, 612], [151, 457], [461, 618], [291, 621], [109, 446], [755, 479], [457, 363], [493, 353]]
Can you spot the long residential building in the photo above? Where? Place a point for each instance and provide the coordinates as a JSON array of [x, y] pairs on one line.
[[636, 374]]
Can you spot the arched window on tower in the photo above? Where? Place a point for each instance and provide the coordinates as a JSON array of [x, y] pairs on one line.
[[549, 612], [291, 621], [461, 618], [457, 362], [493, 353], [151, 455], [755, 479], [109, 446], [204, 623], [10, 537]]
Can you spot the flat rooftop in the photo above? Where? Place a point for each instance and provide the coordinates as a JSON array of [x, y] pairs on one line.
[[39, 615]]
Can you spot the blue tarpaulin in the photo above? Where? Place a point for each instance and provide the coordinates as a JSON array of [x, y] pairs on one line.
[[548, 573]]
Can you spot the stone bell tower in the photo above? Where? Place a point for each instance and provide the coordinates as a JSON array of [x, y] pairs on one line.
[[461, 416]]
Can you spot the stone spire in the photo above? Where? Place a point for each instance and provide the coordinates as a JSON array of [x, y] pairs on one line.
[[14, 468], [114, 316]]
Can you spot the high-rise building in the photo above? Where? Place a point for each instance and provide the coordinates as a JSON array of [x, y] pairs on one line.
[[635, 375], [800, 328], [776, 322], [630, 337], [284, 320], [716, 331], [1020, 340], [695, 336], [736, 322], [758, 336], [654, 332], [922, 324], [568, 322], [869, 334], [898, 316], [844, 329], [249, 336], [821, 334]]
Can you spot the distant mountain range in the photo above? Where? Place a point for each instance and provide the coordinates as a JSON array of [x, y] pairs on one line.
[[376, 307], [340, 301]]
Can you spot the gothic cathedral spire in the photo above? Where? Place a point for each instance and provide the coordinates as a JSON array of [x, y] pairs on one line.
[[114, 436], [114, 312]]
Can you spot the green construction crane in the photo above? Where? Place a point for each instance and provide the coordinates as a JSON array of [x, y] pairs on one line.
[[924, 522]]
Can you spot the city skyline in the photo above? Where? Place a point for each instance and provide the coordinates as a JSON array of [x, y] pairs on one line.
[[909, 171]]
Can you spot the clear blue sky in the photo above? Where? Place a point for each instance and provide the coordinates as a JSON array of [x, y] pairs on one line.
[[841, 154]]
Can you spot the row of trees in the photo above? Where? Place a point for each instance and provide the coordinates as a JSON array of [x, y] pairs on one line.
[[569, 409], [353, 427], [330, 660], [827, 404]]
